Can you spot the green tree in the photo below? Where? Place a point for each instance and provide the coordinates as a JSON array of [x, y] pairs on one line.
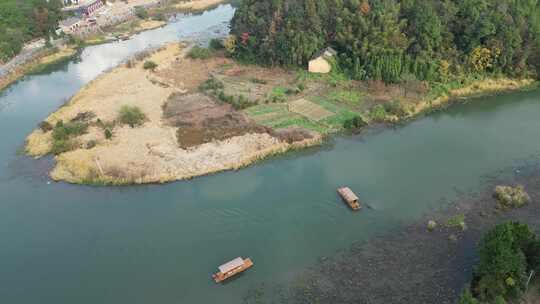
[[503, 262]]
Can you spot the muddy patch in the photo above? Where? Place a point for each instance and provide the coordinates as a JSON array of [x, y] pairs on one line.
[[200, 120]]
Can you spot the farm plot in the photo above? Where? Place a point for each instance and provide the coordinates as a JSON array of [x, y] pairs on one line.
[[310, 110]]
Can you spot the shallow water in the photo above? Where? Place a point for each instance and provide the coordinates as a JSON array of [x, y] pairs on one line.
[[63, 243]]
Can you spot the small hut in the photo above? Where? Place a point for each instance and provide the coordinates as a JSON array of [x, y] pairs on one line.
[[320, 63], [349, 197]]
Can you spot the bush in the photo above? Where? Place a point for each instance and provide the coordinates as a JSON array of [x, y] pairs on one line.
[[150, 65], [211, 84], [159, 17], [91, 144], [510, 197], [198, 52], [354, 123], [395, 108], [216, 44], [277, 95], [141, 12], [378, 113], [108, 134], [61, 146], [467, 298], [64, 131], [238, 103], [45, 126], [131, 115]]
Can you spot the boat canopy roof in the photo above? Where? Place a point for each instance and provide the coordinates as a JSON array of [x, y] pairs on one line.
[[231, 265]]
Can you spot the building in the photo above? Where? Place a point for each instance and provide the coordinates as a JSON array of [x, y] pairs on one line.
[[83, 8], [70, 25], [320, 63]]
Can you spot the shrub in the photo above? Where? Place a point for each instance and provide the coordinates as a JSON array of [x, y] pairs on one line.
[[141, 12], [211, 84], [150, 65], [131, 115], [159, 17], [277, 95], [62, 145], [457, 221], [45, 126], [467, 298], [198, 52], [354, 123], [64, 131], [91, 144], [108, 133], [378, 113], [216, 44], [510, 197], [395, 108]]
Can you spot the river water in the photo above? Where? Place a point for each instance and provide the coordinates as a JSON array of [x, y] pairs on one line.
[[63, 243]]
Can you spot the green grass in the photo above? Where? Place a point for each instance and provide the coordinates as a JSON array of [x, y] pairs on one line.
[[333, 78], [278, 94], [345, 96], [266, 109]]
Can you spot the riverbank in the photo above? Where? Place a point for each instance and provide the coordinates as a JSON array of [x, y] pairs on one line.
[[412, 264], [37, 63], [208, 114]]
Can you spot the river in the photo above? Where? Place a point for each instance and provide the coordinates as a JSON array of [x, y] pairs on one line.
[[63, 243]]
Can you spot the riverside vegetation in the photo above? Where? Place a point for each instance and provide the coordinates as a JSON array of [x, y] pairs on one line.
[[389, 79], [430, 46]]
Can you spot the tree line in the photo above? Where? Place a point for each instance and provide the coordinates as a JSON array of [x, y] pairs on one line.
[[23, 20], [386, 39]]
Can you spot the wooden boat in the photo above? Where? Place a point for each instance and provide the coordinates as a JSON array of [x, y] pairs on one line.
[[232, 268], [350, 198]]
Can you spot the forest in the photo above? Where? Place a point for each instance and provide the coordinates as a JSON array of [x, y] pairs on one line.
[[23, 20], [390, 40]]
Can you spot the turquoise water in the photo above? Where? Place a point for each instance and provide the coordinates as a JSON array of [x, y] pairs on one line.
[[63, 243]]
